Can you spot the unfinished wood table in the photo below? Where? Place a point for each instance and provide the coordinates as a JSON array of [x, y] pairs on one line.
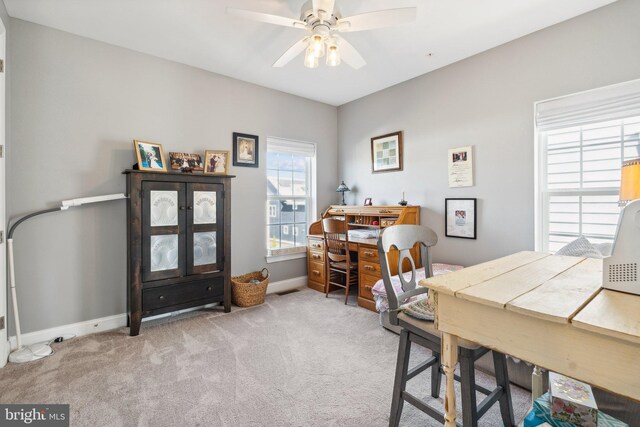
[[546, 309]]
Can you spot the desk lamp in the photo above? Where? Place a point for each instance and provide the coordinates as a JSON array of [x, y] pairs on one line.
[[37, 351], [342, 188], [620, 270]]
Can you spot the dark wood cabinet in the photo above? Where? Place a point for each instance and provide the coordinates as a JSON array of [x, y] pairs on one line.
[[179, 242]]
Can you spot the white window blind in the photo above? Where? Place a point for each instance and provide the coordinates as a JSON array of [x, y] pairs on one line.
[[583, 140], [290, 201], [594, 106]]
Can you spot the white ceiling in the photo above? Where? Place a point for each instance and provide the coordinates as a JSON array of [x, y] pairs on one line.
[[199, 33]]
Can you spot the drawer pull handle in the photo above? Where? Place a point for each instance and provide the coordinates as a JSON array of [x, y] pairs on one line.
[[368, 253], [316, 272], [161, 297], [315, 256], [181, 208], [190, 208], [316, 245], [209, 288], [368, 267]]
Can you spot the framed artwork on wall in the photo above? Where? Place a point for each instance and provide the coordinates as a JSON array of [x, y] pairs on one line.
[[245, 150], [460, 218], [150, 156], [386, 152], [460, 166], [216, 162]]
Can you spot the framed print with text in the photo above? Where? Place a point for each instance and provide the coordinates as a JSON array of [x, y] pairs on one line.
[[460, 167]]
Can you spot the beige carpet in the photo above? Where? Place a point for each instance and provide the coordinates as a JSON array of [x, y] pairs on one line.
[[297, 360]]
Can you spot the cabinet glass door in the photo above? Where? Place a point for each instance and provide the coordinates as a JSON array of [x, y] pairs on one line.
[[163, 224], [205, 228]]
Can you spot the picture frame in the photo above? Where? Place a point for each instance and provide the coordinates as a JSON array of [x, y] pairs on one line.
[[216, 162], [386, 153], [186, 161], [367, 202], [460, 166], [245, 150], [150, 156], [460, 216]]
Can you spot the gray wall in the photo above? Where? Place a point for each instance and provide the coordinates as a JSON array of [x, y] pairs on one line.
[[77, 106], [485, 101]]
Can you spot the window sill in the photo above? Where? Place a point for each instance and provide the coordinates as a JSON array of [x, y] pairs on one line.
[[287, 257]]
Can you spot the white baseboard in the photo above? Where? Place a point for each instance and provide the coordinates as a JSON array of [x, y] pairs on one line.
[[78, 329], [287, 285], [118, 321]]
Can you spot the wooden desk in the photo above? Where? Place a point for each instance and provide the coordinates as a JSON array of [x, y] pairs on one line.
[[358, 217], [368, 267], [548, 310]]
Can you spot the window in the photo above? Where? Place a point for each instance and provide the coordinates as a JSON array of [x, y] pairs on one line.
[[582, 141], [290, 200]]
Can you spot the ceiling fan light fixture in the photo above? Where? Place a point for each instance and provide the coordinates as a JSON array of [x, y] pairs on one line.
[[310, 59], [317, 45], [333, 56]]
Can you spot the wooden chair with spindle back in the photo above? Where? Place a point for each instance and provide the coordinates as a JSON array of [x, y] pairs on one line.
[[339, 263]]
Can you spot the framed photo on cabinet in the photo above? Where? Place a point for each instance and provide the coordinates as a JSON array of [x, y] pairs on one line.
[[150, 156], [186, 161], [386, 152], [216, 162], [245, 150], [460, 218]]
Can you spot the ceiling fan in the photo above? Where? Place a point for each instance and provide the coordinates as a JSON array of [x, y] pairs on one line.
[[323, 21]]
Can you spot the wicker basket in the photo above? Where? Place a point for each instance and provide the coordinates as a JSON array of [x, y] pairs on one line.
[[246, 294]]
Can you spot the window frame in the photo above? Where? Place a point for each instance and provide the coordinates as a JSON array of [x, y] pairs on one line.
[[544, 194], [310, 199]]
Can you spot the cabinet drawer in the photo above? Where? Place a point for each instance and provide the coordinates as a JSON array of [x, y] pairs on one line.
[[316, 256], [316, 271], [368, 254], [316, 244], [370, 268], [165, 296], [366, 285]]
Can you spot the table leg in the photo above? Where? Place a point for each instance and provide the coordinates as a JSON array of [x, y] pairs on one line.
[[536, 383], [449, 361]]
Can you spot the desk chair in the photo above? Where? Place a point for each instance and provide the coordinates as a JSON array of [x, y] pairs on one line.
[[339, 263], [423, 333]]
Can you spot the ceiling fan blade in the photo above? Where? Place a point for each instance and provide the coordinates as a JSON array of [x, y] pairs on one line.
[[323, 5], [291, 53], [379, 19], [265, 17], [349, 54]]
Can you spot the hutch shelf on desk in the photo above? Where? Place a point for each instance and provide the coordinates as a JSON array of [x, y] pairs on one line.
[[357, 217]]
